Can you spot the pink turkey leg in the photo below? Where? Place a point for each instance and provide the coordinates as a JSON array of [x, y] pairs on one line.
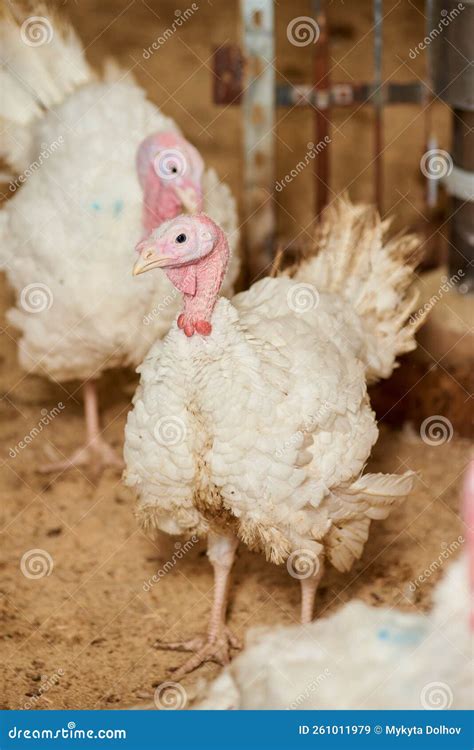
[[219, 640], [96, 453]]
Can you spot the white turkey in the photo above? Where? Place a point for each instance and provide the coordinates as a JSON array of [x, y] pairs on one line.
[[67, 233], [252, 421]]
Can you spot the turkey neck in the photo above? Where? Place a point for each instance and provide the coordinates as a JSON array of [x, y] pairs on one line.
[[159, 203], [209, 272]]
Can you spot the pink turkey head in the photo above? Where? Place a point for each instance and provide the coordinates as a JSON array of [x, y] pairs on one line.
[[194, 252], [170, 172]]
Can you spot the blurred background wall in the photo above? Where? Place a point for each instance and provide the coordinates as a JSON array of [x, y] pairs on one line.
[[178, 77]]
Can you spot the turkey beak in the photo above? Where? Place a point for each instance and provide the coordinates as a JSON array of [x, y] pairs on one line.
[[149, 259]]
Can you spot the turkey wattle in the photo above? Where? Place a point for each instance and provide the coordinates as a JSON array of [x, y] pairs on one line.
[[67, 232], [252, 421]]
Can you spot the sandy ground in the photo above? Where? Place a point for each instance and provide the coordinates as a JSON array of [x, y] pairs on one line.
[[92, 623], [82, 637]]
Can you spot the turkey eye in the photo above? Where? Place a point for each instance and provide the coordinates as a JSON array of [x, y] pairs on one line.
[[181, 238], [174, 169]]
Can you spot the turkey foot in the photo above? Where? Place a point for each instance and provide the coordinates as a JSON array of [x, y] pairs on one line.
[[216, 648], [96, 453]]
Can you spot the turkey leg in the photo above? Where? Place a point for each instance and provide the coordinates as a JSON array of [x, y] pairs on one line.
[[309, 587], [216, 646], [96, 452]]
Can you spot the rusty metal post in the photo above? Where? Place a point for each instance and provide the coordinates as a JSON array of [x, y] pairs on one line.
[[258, 103], [453, 80]]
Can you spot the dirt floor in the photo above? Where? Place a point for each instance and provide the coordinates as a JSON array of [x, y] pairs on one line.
[[83, 636]]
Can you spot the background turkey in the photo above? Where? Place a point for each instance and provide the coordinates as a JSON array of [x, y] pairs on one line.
[[67, 234]]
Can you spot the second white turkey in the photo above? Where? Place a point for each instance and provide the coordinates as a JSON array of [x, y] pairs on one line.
[[79, 207]]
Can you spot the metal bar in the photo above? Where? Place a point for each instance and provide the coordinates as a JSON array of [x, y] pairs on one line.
[[228, 63], [321, 105], [337, 95], [350, 94], [258, 104], [378, 102]]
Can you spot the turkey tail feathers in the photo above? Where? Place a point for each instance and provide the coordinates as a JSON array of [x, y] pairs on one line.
[[42, 62], [352, 507], [352, 257]]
